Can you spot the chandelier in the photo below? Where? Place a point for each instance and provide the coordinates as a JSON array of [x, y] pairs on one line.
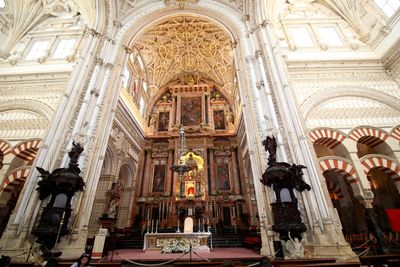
[[181, 168]]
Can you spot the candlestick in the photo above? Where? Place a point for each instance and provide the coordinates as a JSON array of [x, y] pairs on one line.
[[178, 230], [156, 226], [152, 225], [199, 224]]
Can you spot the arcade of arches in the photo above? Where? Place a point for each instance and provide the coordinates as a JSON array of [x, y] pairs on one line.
[[124, 78]]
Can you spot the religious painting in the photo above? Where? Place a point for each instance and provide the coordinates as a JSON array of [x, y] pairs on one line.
[[163, 121], [159, 178], [223, 177], [219, 120], [191, 111]]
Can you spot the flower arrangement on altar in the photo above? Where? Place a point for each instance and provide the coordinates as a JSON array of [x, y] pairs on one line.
[[175, 246]]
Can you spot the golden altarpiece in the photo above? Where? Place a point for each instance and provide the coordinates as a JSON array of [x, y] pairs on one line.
[[211, 192]]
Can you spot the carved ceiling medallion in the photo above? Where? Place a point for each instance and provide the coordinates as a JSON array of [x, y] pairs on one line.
[[186, 45]]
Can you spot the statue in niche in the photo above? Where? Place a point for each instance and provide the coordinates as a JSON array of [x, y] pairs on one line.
[[284, 178], [229, 116], [153, 119], [114, 197]]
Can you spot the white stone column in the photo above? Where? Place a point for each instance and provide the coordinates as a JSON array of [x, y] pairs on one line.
[[324, 227], [100, 118], [28, 207], [253, 112]]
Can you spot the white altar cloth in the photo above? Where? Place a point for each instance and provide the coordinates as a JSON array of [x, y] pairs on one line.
[[156, 241]]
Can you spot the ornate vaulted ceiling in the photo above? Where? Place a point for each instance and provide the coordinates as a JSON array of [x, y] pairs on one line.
[[186, 45]]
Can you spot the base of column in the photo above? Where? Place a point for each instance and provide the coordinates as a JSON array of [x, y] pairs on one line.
[[15, 245], [73, 246], [329, 243]]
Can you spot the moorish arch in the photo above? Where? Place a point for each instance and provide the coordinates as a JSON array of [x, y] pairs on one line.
[[27, 149], [329, 142], [368, 135], [395, 132], [371, 140], [17, 176], [5, 149], [345, 169], [327, 136], [384, 163]]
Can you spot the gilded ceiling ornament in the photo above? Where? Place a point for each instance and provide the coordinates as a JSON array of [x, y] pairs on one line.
[[186, 45]]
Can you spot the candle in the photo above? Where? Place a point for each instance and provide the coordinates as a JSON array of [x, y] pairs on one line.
[[156, 226], [199, 225], [152, 225]]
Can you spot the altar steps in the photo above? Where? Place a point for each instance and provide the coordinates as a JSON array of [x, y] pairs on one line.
[[131, 242], [226, 238]]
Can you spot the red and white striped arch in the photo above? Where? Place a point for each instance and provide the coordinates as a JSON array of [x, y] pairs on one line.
[[386, 165], [28, 149], [327, 137], [396, 132], [18, 176], [368, 135], [5, 147], [344, 169], [335, 189]]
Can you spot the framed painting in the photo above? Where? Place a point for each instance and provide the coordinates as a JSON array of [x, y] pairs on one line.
[[219, 120], [224, 183], [163, 121], [191, 111], [160, 174]]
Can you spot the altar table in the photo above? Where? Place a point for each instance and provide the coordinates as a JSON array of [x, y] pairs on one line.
[[156, 241]]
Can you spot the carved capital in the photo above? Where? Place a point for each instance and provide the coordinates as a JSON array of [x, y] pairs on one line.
[[117, 24], [99, 61], [246, 17], [90, 31], [249, 59], [386, 30], [258, 53], [260, 85], [265, 23], [95, 92]]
